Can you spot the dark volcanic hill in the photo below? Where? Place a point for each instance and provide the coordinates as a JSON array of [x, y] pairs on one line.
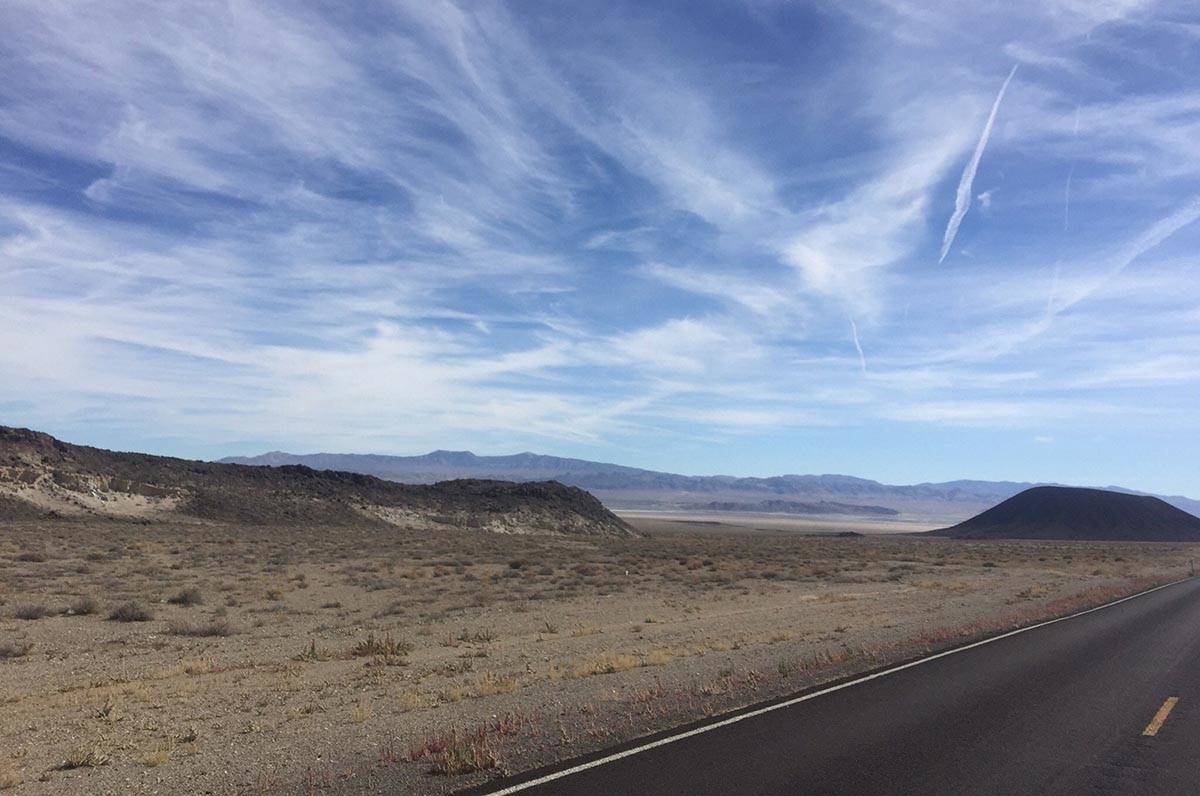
[[624, 487], [1072, 513], [43, 476]]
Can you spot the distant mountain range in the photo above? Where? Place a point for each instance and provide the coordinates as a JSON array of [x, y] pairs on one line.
[[621, 487]]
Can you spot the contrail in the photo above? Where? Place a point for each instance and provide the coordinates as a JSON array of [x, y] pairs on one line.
[[1070, 174], [1157, 233], [862, 360], [962, 200], [1067, 200], [1050, 299]]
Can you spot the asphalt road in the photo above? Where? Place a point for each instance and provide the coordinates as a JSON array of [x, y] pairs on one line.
[[1059, 709]]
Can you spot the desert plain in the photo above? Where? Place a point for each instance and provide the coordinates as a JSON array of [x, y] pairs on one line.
[[216, 658]]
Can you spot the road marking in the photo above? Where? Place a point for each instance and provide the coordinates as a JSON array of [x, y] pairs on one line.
[[566, 772], [1156, 723]]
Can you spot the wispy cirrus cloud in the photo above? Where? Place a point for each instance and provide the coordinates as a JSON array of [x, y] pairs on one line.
[[844, 247], [739, 290], [490, 225]]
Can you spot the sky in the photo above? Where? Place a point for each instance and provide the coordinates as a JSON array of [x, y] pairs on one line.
[[905, 241]]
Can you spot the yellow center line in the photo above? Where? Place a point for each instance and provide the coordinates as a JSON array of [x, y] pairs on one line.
[[1156, 723]]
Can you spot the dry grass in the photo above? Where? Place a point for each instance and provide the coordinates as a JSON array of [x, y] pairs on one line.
[[10, 776], [314, 653], [456, 692], [409, 700], [90, 756], [608, 663], [492, 683], [386, 647], [457, 753], [198, 667], [157, 756]]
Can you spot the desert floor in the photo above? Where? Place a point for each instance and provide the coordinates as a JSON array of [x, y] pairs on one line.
[[294, 660]]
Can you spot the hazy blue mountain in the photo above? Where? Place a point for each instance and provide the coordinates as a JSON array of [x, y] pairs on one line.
[[619, 486]]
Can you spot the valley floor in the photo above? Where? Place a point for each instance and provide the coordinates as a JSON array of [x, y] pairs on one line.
[[296, 660]]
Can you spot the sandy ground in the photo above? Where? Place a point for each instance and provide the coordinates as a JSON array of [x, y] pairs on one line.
[[315, 660]]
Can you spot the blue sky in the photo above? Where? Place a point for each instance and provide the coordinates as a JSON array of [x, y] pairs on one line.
[[694, 237]]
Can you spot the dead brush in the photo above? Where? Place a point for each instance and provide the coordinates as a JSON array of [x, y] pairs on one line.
[[457, 753], [31, 612], [131, 611], [492, 683], [159, 755], [510, 724], [10, 776], [480, 636], [386, 647], [409, 700], [187, 597], [613, 662], [109, 710], [83, 606], [388, 755], [314, 653], [644, 696], [721, 685], [86, 757], [608, 663]]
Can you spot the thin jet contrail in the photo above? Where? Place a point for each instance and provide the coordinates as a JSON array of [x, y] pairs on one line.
[[862, 360], [962, 200], [1067, 200], [1070, 175], [1156, 234], [1053, 296]]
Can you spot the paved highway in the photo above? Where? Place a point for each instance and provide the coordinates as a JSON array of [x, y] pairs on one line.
[[1106, 702]]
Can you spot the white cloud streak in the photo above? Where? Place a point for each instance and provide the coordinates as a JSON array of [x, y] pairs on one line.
[[962, 199], [1070, 176], [1150, 238], [862, 359]]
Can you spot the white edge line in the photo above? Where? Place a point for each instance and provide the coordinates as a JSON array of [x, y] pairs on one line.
[[813, 695]]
